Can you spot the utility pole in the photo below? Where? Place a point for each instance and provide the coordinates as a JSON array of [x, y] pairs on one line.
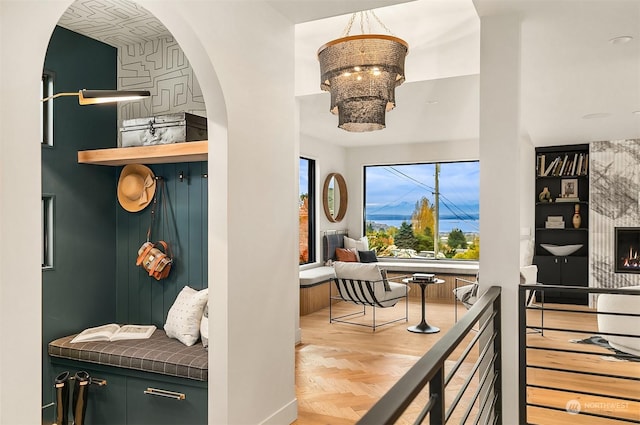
[[436, 236]]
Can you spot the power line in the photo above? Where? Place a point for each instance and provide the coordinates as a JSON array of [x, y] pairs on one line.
[[456, 214]]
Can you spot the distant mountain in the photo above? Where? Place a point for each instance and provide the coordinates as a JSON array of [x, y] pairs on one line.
[[401, 208], [405, 209]]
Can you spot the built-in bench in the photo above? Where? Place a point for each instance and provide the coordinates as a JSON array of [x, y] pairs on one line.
[[314, 288], [315, 282], [157, 354], [157, 380]]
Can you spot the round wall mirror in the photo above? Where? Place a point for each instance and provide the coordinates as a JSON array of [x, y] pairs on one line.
[[334, 197]]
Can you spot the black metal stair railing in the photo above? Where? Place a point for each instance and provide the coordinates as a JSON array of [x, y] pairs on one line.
[[559, 382], [479, 396]]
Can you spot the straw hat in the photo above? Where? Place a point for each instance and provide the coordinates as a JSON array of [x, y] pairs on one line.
[[136, 187]]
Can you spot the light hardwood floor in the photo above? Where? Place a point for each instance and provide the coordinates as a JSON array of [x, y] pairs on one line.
[[342, 370]]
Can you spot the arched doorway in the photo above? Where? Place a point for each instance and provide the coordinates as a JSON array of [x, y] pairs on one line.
[[172, 78]]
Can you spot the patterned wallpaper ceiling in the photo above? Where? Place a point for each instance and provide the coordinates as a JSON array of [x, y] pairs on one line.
[[115, 22]]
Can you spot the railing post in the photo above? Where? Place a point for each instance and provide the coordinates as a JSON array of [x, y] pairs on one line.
[[522, 356], [497, 365], [436, 389]]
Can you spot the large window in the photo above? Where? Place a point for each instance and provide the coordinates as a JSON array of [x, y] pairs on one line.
[[423, 211], [306, 210]]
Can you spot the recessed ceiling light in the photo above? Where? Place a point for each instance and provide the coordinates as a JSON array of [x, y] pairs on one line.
[[621, 40], [596, 115], [431, 102]]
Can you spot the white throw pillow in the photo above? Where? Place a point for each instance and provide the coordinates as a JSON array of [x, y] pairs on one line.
[[204, 327], [361, 244], [185, 315]]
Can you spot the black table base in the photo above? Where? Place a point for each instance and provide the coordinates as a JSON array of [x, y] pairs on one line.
[[423, 327]]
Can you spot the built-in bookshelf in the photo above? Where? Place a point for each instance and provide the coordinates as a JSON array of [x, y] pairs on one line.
[[562, 217], [554, 165]]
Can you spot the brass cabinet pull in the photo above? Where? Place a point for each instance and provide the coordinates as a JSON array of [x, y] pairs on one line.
[[165, 393]]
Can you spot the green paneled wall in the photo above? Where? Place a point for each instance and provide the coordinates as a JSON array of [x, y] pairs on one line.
[[140, 298], [80, 289], [95, 279]]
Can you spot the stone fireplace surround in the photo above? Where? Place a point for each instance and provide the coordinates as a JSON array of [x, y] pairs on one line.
[[614, 201]]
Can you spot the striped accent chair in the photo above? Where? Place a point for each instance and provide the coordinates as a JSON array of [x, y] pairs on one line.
[[366, 285]]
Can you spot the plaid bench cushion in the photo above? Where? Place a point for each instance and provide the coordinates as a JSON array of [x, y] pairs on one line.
[[158, 354]]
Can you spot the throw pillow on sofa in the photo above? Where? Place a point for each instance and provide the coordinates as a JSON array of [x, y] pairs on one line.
[[346, 255], [367, 256]]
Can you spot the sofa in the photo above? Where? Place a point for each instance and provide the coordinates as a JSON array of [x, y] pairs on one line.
[[620, 324]]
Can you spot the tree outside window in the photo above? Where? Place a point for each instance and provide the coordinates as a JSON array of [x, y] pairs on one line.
[[306, 215], [423, 211]]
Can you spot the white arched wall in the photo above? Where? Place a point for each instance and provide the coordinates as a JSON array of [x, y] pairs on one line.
[[253, 272]]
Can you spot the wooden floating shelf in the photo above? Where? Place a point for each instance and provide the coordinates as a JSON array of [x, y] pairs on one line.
[[156, 154]]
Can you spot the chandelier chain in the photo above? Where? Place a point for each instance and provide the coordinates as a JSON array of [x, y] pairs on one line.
[[347, 29], [380, 22], [364, 19]]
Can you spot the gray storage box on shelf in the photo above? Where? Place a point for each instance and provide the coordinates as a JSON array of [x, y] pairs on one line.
[[163, 129]]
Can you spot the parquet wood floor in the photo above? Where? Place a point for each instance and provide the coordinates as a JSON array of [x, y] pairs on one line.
[[342, 370]]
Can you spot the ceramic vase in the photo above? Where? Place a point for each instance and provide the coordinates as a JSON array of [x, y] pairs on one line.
[[577, 220]]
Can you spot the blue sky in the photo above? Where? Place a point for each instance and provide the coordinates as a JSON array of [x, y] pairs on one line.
[[394, 189], [304, 176]]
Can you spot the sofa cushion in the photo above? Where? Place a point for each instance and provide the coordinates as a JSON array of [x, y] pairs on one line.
[[364, 272], [316, 275]]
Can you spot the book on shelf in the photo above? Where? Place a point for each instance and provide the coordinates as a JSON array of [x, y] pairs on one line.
[[551, 166], [114, 332], [554, 224], [568, 199], [580, 161], [586, 164], [555, 218]]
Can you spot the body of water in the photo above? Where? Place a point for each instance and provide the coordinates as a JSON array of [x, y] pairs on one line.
[[447, 224]]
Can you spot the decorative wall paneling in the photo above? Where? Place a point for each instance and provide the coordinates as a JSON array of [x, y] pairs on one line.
[[614, 202], [140, 298]]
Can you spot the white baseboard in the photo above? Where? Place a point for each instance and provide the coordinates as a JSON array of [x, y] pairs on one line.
[[286, 415]]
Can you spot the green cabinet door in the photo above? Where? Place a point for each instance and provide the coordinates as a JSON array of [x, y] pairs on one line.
[[157, 403]]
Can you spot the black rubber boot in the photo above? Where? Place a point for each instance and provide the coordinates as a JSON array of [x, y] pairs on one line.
[[80, 394], [61, 384]]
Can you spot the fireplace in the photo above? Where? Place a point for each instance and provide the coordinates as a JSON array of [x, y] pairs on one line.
[[627, 250]]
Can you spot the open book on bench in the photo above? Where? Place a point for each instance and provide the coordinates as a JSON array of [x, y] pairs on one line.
[[114, 332]]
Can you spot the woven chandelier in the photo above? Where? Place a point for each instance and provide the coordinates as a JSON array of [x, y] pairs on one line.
[[361, 72]]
